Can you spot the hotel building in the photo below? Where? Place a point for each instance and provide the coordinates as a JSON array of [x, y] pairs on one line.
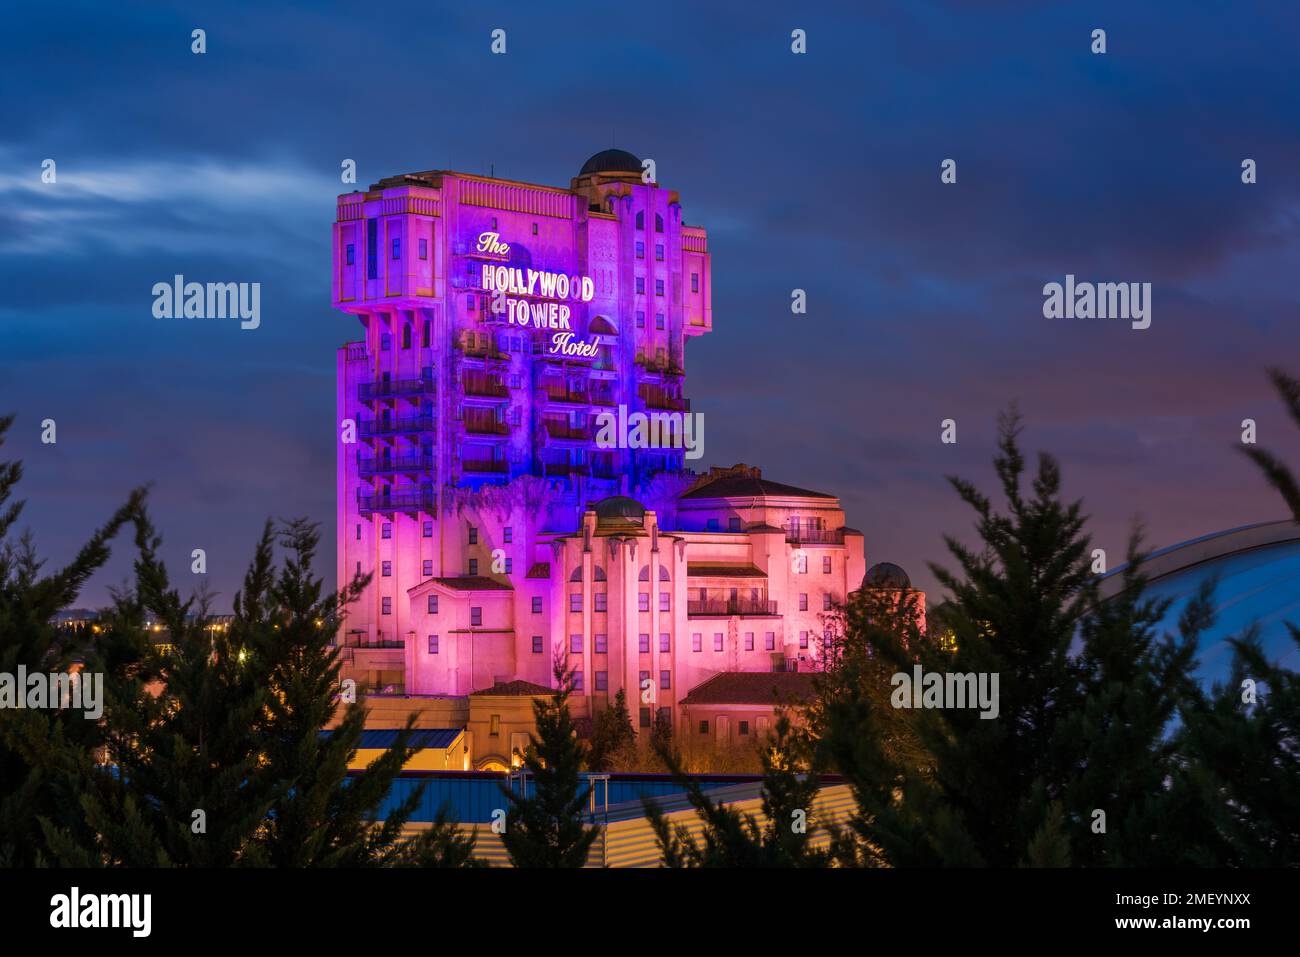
[[499, 320]]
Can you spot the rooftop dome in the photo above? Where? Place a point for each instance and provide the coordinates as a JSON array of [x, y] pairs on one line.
[[886, 575], [619, 510], [612, 161]]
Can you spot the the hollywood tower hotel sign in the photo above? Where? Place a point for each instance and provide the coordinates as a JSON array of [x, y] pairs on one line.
[[535, 298]]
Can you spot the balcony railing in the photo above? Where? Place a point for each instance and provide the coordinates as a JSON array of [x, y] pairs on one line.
[[815, 536], [356, 352], [361, 641], [492, 466], [731, 606], [603, 397], [486, 427], [654, 399], [566, 432], [563, 469], [415, 462], [489, 351], [415, 423], [485, 388], [397, 501], [367, 391], [567, 395]]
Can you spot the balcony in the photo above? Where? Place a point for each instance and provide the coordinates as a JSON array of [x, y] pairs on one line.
[[369, 391], [488, 352], [415, 500], [658, 399], [603, 397], [486, 427], [356, 352], [368, 466], [815, 536], [369, 428], [564, 432], [564, 469], [361, 641], [485, 466], [565, 396], [480, 387], [727, 607]]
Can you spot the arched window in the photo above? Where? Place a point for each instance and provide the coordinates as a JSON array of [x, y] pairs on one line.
[[659, 223], [663, 573], [577, 574], [406, 336], [640, 219], [645, 574], [598, 574]]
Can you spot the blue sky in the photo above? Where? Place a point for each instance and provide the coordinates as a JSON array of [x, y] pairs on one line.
[[818, 172]]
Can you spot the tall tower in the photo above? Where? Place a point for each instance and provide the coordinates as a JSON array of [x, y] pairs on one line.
[[499, 320]]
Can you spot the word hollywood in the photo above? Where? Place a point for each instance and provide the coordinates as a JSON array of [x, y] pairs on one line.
[[214, 300], [103, 910], [946, 690], [657, 430], [1104, 300], [58, 689]]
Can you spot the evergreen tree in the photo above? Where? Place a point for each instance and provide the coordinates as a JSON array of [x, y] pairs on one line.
[[41, 750], [732, 838], [613, 740], [546, 828]]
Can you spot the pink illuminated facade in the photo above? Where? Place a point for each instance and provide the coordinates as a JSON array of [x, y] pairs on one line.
[[500, 319]]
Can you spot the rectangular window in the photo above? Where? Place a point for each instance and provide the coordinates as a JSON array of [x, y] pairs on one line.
[[704, 726], [358, 533], [386, 530], [575, 644], [473, 535], [433, 644], [602, 680], [428, 529], [640, 318], [717, 641], [537, 644], [351, 254], [803, 639], [385, 606], [575, 601], [769, 641], [826, 601], [712, 525], [640, 249], [537, 606], [424, 338], [385, 341], [433, 604], [803, 601], [643, 680], [643, 601], [510, 565], [372, 249], [749, 641], [744, 727], [665, 642], [665, 679], [386, 569], [640, 285], [577, 680], [602, 644], [733, 524], [645, 717], [476, 616], [508, 534], [602, 601], [397, 248], [659, 320], [469, 303], [643, 644], [665, 601], [659, 251], [826, 564], [695, 282], [424, 249], [697, 642], [473, 566], [494, 725], [426, 567], [801, 563], [659, 287]]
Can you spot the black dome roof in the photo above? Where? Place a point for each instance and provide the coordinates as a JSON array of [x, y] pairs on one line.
[[611, 161], [618, 509], [886, 575]]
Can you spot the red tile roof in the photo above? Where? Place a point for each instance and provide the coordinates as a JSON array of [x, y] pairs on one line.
[[753, 687], [473, 583], [516, 688]]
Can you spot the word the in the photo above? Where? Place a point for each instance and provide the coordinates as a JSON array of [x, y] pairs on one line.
[[657, 430], [1105, 300], [103, 910], [214, 300], [58, 690], [946, 690]]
